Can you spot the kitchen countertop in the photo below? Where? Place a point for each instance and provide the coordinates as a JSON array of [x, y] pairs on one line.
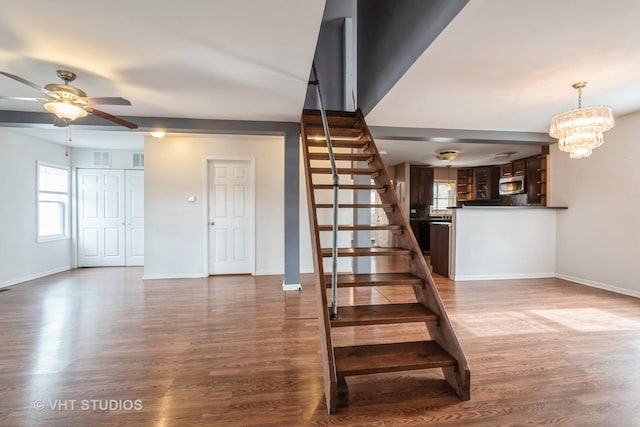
[[508, 207]]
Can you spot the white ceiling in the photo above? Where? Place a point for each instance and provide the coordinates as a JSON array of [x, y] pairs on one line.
[[499, 65]]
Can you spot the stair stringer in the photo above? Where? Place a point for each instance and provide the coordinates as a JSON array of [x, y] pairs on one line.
[[326, 343], [458, 377]]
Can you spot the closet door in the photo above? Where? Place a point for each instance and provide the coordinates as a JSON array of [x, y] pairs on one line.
[[134, 216], [101, 218]]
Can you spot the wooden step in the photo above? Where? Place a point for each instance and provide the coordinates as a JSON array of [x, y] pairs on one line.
[[346, 171], [390, 227], [383, 314], [388, 207], [351, 252], [374, 279], [317, 132], [339, 143], [330, 113], [377, 358], [349, 187], [333, 120], [355, 157]]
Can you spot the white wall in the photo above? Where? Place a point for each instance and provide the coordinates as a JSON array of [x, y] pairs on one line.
[[21, 257], [504, 243], [598, 238], [175, 229]]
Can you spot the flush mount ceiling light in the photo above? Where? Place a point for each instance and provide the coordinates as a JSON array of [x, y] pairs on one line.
[[505, 155], [447, 156], [579, 131], [157, 134]]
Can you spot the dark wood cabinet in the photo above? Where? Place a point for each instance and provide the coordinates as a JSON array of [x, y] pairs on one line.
[[507, 170], [537, 180], [439, 236], [422, 231], [420, 186], [464, 183], [519, 167], [485, 183]]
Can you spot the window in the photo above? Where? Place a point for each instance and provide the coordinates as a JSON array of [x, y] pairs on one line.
[[443, 196], [53, 202]]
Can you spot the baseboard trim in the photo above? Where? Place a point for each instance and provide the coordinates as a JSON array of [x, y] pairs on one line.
[[503, 276], [599, 285], [291, 286], [34, 276]]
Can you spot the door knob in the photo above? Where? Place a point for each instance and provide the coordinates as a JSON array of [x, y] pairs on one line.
[[212, 223]]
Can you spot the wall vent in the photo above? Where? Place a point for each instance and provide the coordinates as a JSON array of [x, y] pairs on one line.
[[138, 160], [101, 159]]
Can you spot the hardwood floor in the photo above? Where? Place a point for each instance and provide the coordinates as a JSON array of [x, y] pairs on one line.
[[237, 351]]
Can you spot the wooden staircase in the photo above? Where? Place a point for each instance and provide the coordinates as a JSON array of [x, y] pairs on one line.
[[357, 154]]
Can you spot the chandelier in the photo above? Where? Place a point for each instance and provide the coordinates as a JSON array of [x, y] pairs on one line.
[[579, 131]]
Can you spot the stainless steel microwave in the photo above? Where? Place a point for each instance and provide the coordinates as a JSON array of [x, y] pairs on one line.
[[512, 185]]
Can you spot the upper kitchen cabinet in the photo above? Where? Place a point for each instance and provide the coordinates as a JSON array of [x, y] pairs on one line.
[[485, 183], [420, 186], [464, 184], [520, 167]]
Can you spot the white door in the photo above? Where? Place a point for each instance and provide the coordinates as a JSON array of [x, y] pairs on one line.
[[134, 216], [230, 216], [101, 218]]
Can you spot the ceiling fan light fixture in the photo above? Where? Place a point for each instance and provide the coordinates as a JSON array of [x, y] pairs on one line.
[[579, 131], [65, 110]]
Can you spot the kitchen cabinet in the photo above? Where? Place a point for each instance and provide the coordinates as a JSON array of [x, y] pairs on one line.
[[520, 167], [464, 184], [421, 186], [537, 180], [507, 170], [439, 244], [485, 183], [422, 232]]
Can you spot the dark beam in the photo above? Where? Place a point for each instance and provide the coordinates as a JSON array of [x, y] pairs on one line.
[[460, 135]]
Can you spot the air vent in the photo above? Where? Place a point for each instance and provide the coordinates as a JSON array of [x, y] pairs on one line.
[[101, 159], [138, 160]]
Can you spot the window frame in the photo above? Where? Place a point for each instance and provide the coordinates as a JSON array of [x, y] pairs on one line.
[[65, 202], [453, 197]]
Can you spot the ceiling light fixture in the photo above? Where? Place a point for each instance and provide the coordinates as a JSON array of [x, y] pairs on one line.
[[579, 131], [447, 156], [65, 110], [157, 134]]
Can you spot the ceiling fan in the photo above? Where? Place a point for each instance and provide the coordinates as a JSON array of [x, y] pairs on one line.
[[68, 102]]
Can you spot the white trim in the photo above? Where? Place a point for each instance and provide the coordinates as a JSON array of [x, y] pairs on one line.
[[205, 210], [34, 276], [291, 287], [172, 276], [66, 234], [604, 286], [503, 276]]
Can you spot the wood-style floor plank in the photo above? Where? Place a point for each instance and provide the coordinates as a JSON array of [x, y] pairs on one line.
[[237, 351]]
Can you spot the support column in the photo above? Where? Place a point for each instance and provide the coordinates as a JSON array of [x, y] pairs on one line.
[[292, 209]]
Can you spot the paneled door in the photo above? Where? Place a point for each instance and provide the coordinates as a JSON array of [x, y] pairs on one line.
[[230, 217], [110, 217], [134, 217]]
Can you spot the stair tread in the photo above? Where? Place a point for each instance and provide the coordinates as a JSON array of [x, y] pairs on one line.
[[336, 142], [346, 171], [382, 314], [349, 187], [362, 157], [374, 279], [360, 227], [356, 205], [376, 251], [317, 130], [377, 358]]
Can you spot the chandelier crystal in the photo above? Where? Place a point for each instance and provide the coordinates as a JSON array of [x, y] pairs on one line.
[[579, 131]]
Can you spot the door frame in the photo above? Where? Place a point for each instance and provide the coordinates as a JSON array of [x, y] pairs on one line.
[[206, 230]]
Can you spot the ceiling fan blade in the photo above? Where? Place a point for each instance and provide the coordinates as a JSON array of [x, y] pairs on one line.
[[22, 98], [33, 85], [108, 100], [114, 119]]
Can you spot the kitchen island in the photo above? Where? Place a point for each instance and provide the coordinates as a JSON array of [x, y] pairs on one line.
[[503, 242]]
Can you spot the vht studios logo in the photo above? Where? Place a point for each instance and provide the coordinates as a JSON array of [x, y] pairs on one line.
[[88, 405]]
